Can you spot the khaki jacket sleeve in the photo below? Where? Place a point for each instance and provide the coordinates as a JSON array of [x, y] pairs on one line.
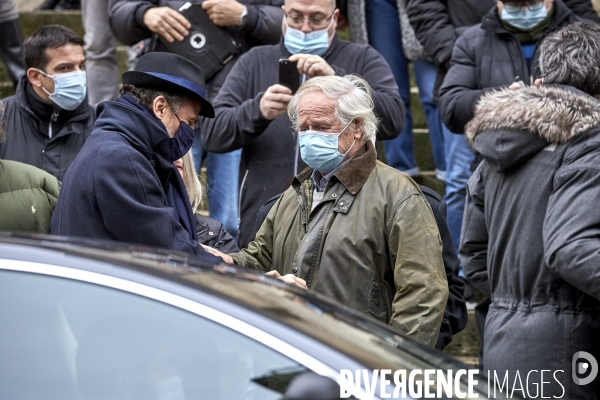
[[259, 253], [416, 253]]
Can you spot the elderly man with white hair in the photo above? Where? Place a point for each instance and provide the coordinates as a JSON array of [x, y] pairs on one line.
[[354, 229]]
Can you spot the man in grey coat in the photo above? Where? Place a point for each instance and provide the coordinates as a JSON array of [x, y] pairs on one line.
[[530, 232]]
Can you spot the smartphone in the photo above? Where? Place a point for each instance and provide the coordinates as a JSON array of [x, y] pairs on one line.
[[289, 75]]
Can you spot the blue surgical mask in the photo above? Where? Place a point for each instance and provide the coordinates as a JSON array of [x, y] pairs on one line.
[[315, 42], [69, 89], [524, 17], [319, 150]]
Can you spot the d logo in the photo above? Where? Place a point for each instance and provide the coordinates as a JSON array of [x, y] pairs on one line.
[[582, 367]]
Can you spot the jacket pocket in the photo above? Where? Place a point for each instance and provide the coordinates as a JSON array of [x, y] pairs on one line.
[[380, 304]]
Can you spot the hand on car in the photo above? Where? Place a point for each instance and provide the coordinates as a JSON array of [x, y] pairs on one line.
[[223, 12], [167, 22], [217, 253], [290, 279], [274, 101], [312, 65]]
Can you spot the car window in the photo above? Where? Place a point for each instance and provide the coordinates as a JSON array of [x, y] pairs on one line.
[[66, 339]]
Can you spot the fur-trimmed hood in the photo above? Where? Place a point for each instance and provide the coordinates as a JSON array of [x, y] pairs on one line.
[[512, 125]]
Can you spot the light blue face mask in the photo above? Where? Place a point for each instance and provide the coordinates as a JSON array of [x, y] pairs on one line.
[[319, 150], [69, 89], [524, 17], [315, 42]]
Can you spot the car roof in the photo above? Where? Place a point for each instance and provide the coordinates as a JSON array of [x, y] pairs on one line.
[[361, 338]]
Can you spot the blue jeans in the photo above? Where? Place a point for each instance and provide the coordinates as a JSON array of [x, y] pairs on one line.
[[222, 176], [459, 157], [383, 28]]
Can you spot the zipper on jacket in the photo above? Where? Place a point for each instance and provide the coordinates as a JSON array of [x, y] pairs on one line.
[[54, 118]]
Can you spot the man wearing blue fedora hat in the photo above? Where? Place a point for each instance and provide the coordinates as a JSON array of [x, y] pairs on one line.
[[123, 185]]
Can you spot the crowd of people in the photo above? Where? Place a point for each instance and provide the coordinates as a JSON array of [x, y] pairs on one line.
[[510, 91]]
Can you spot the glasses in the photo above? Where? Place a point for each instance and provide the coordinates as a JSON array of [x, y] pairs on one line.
[[516, 6], [314, 22]]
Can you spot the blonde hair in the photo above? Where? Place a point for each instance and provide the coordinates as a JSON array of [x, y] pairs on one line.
[[191, 181]]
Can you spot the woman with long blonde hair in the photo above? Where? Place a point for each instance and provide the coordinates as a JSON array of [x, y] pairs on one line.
[[210, 231]]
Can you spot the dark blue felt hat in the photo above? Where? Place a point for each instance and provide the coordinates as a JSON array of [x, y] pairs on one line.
[[173, 74]]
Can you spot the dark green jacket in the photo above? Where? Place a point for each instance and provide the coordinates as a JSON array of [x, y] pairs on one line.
[[27, 197], [372, 244]]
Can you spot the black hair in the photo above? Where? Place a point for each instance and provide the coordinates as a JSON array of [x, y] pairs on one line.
[[47, 37]]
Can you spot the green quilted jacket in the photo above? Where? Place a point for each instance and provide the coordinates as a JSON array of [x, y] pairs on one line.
[[27, 197]]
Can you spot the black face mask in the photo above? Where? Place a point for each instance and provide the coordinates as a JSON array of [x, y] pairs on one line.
[[173, 148]]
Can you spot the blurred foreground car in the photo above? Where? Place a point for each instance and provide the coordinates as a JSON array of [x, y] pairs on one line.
[[113, 321]]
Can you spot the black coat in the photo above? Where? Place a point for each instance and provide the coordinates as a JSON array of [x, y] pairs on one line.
[[115, 188], [262, 26], [530, 232], [270, 154], [439, 23], [211, 233], [488, 57], [27, 139], [455, 315]]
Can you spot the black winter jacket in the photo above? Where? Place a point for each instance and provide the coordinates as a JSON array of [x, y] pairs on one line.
[[262, 26], [455, 315], [115, 189], [488, 57], [530, 232], [270, 154], [27, 135], [211, 233], [439, 23]]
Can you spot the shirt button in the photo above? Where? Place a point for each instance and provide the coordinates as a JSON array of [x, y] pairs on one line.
[[295, 270], [210, 233]]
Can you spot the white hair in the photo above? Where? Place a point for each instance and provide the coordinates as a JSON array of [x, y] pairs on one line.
[[354, 100]]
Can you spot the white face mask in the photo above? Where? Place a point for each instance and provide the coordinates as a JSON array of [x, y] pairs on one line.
[[70, 89]]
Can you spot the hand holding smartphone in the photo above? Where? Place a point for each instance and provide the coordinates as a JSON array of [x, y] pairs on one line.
[[289, 75]]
